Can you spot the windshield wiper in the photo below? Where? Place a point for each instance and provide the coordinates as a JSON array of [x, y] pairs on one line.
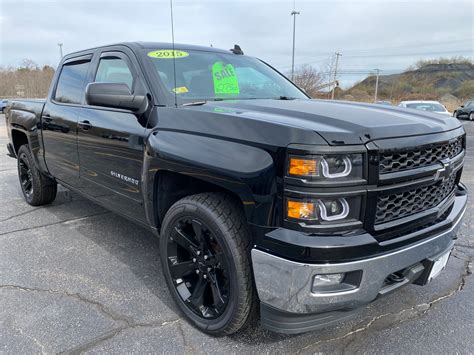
[[283, 97], [195, 103], [202, 102]]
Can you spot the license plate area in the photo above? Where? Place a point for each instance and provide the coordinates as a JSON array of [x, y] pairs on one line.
[[438, 265], [433, 267]]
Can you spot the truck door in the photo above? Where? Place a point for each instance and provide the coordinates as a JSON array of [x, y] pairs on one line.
[[59, 120], [111, 143]]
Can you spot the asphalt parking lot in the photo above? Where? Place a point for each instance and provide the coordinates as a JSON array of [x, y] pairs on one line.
[[77, 278]]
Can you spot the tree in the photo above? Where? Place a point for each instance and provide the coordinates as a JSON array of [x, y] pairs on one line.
[[466, 91], [308, 78], [28, 64], [28, 80]]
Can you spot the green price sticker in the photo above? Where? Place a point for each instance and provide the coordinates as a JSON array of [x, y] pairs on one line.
[[167, 54], [225, 79]]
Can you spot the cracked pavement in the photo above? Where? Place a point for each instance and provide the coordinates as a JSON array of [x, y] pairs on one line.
[[75, 278]]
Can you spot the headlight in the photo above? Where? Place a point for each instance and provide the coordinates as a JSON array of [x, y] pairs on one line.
[[327, 167], [323, 210]]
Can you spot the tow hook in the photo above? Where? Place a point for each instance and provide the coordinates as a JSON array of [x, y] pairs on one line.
[[396, 277]]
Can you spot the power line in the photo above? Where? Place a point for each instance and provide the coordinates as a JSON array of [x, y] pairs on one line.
[[354, 72], [408, 54], [423, 44], [356, 51], [392, 55]]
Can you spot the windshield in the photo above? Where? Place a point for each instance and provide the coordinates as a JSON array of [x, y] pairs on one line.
[[203, 76], [427, 107]]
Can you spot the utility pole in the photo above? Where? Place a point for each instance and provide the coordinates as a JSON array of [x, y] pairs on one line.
[[60, 45], [335, 74], [376, 85], [293, 13]]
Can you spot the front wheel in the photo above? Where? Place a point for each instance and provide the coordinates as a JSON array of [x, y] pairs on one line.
[[37, 188], [205, 256]]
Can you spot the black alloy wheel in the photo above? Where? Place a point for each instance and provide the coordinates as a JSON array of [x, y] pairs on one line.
[[38, 189], [26, 177], [198, 268], [205, 254]]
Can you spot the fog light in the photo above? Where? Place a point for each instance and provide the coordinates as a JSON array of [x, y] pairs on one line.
[[325, 280]]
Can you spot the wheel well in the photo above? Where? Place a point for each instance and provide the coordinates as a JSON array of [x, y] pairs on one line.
[[18, 139], [171, 187]]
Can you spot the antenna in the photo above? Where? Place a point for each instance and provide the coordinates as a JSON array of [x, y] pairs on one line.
[[174, 54]]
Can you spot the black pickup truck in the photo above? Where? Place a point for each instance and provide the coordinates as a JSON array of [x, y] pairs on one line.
[[265, 201]]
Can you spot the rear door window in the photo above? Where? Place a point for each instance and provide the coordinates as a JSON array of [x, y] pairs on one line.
[[71, 81]]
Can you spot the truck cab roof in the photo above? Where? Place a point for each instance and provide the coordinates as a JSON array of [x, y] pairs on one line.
[[149, 45]]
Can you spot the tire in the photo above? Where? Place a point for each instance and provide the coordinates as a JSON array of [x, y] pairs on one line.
[[455, 114], [37, 188], [228, 301], [471, 116]]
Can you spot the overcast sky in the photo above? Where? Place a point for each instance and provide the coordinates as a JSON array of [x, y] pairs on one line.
[[384, 34]]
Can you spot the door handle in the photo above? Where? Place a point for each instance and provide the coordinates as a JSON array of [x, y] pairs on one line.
[[85, 125], [47, 118]]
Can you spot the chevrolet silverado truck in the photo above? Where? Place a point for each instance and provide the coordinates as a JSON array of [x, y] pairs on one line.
[[266, 203]]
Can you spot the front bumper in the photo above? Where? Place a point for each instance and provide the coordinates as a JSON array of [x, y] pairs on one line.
[[288, 304]]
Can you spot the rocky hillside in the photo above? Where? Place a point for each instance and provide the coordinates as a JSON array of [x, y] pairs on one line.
[[430, 81]]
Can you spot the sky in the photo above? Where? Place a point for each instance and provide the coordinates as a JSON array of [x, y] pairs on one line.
[[372, 34]]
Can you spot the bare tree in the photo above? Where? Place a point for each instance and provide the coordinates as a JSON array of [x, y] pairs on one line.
[[28, 80], [28, 64], [308, 78]]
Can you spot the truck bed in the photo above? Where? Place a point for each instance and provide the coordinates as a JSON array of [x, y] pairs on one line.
[[23, 116], [34, 106]]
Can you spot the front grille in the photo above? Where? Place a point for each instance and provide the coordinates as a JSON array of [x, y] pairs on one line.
[[420, 157], [399, 205]]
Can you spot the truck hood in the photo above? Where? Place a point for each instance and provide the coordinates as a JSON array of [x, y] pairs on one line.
[[338, 122]]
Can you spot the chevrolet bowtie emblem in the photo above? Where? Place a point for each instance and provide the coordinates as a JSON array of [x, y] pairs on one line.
[[445, 171]]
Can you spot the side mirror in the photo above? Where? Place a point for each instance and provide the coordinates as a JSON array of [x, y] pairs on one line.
[[462, 106], [116, 95]]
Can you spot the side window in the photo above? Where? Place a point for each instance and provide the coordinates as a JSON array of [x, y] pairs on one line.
[[114, 70], [70, 82]]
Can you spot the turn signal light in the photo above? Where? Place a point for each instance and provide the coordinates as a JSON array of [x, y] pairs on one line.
[[303, 167], [301, 210]]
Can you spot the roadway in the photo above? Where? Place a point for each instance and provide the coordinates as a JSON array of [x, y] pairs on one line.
[[77, 278]]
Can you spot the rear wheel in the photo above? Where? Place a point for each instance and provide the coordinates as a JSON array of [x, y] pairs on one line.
[[204, 251], [37, 188]]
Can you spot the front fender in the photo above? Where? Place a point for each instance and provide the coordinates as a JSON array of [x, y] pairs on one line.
[[246, 171]]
